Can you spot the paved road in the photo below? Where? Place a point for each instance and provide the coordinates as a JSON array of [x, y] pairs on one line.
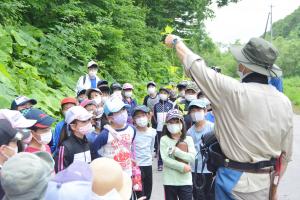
[[289, 186]]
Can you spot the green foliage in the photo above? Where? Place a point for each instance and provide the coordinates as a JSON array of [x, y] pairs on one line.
[[45, 45], [292, 90], [288, 26]]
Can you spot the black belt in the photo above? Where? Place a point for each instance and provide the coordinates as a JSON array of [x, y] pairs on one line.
[[221, 161]]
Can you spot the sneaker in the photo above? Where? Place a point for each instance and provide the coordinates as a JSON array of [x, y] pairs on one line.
[[160, 168]]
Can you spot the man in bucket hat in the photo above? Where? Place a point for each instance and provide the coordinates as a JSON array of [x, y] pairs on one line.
[[254, 121]]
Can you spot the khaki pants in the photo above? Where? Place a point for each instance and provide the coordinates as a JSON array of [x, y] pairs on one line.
[[259, 195]]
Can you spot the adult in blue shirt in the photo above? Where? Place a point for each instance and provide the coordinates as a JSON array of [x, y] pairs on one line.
[[90, 79], [277, 83]]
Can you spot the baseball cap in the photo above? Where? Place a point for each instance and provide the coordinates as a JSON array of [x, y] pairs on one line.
[[77, 113], [26, 175], [115, 86], [16, 119], [89, 91], [192, 86], [8, 133], [21, 100], [80, 92], [68, 100], [117, 180], [164, 89], [77, 177], [142, 108], [174, 114], [102, 82], [127, 86], [92, 64], [182, 84], [151, 83], [113, 105], [200, 103], [42, 119], [88, 102]]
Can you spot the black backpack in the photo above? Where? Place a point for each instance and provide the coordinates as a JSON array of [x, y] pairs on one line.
[[210, 150]]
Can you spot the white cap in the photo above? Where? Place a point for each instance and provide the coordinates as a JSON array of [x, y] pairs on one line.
[[77, 113], [91, 63], [16, 119]]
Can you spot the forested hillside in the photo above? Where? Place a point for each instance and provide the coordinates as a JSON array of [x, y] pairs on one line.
[[45, 45]]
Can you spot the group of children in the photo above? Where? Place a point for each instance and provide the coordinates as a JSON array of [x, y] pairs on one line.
[[105, 121]]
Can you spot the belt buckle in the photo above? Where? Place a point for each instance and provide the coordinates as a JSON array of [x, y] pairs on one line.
[[226, 162]]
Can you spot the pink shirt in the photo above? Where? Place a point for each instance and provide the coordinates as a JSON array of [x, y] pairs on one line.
[[33, 149]]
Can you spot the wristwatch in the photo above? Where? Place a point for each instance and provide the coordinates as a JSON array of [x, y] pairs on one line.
[[175, 41]]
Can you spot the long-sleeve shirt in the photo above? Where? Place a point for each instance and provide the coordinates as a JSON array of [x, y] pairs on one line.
[[160, 112], [253, 121], [56, 136], [173, 173], [84, 82]]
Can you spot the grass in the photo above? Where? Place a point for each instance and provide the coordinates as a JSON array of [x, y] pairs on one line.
[[291, 88]]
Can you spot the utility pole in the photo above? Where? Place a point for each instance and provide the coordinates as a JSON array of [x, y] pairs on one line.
[[271, 21]]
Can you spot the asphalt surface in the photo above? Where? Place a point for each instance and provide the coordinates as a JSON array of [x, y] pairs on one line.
[[289, 188]]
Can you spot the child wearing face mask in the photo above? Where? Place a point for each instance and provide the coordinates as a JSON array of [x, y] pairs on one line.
[[115, 140], [76, 146], [65, 103], [160, 113], [178, 152], [127, 98], [197, 111], [41, 131], [143, 147]]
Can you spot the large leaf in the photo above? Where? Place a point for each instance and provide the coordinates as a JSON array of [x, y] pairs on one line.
[[18, 38]]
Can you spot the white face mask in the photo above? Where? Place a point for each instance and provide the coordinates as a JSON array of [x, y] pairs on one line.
[[198, 116], [88, 128], [142, 121], [128, 94], [190, 97], [93, 73], [45, 137], [240, 73], [104, 99], [112, 195], [151, 90], [98, 100], [174, 128], [163, 97], [182, 93]]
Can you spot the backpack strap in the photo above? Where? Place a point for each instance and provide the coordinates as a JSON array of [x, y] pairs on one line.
[[84, 79]]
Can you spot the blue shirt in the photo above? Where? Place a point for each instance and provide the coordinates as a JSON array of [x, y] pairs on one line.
[[277, 83], [93, 83], [143, 146], [56, 136], [91, 137], [210, 117], [208, 127]]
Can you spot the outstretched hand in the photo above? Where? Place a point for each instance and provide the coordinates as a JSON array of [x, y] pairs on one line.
[[169, 40]]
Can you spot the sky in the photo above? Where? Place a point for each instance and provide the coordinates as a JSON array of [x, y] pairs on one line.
[[246, 19]]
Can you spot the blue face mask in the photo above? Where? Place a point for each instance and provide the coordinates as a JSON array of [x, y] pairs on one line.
[[120, 118], [25, 111]]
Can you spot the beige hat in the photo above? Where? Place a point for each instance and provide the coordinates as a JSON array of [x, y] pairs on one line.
[[107, 176]]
